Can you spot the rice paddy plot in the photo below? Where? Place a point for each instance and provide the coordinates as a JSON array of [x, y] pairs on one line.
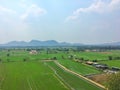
[[28, 76], [73, 82], [112, 63], [79, 67]]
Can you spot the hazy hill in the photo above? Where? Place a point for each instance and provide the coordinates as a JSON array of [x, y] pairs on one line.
[[52, 43], [112, 44], [39, 43]]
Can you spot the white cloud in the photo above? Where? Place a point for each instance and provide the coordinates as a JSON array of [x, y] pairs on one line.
[[33, 11], [99, 6], [14, 20], [6, 10], [114, 5], [6, 15], [23, 5]]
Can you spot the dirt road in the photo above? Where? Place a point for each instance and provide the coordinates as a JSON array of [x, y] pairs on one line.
[[64, 68]]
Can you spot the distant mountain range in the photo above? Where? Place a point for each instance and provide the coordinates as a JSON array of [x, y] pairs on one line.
[[52, 43], [40, 43], [111, 44]]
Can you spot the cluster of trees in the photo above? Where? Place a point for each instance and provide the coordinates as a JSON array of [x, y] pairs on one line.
[[54, 58], [113, 58], [0, 60]]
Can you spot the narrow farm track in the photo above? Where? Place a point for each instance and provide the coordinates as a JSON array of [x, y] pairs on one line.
[[33, 83], [29, 84], [71, 88], [30, 80], [62, 81], [1, 81], [28, 76], [80, 76]]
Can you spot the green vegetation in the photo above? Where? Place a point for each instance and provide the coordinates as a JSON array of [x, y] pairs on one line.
[[72, 81], [20, 70], [112, 63], [28, 76], [114, 82], [79, 67], [93, 55]]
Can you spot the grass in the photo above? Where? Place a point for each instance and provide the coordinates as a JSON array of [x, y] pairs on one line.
[[28, 76], [19, 55], [78, 67], [97, 55], [72, 81], [36, 75], [91, 55], [112, 63]]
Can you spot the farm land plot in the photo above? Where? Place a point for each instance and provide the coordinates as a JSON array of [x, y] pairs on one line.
[[92, 55], [79, 67], [20, 55], [112, 63], [28, 76], [72, 81], [17, 74]]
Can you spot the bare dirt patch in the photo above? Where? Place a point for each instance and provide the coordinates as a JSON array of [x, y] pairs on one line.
[[100, 78]]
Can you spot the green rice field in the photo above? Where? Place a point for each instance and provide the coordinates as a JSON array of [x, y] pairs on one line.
[[28, 76], [115, 63], [72, 81], [20, 70], [79, 67]]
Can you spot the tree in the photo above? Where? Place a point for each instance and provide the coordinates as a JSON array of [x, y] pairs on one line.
[[0, 60], [8, 55], [110, 57], [54, 58], [71, 57], [24, 60], [94, 60], [63, 57], [82, 58], [113, 82], [8, 60]]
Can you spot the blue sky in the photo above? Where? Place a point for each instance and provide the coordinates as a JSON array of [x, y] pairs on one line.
[[81, 21]]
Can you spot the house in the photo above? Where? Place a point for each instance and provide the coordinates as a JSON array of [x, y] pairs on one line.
[[101, 66], [94, 64], [33, 52], [89, 62], [115, 69]]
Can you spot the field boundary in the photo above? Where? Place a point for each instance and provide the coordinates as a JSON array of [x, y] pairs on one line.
[[1, 83], [64, 68], [29, 84], [60, 79]]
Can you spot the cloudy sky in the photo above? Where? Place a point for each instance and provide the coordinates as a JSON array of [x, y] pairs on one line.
[[83, 21]]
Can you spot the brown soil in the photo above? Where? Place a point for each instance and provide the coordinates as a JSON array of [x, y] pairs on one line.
[[101, 78]]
